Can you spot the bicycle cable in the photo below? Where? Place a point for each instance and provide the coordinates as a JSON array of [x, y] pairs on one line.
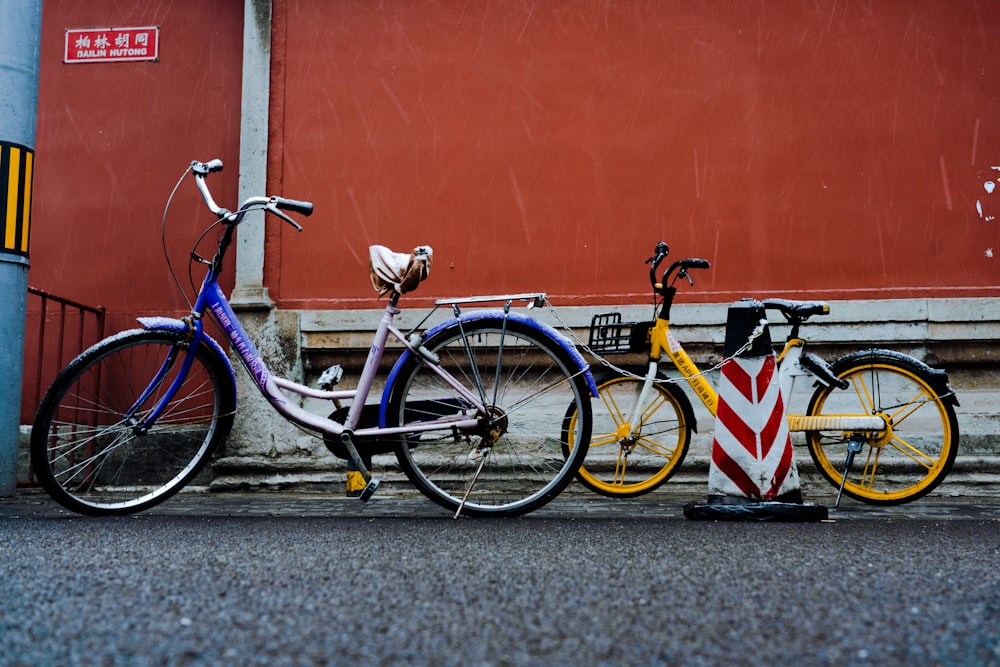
[[163, 239], [194, 257]]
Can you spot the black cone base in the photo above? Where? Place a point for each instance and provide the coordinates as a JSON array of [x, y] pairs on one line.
[[740, 509]]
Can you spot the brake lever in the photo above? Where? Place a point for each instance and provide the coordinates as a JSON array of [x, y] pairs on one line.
[[271, 208]]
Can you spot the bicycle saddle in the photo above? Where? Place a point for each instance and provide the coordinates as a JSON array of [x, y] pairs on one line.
[[398, 271], [799, 310]]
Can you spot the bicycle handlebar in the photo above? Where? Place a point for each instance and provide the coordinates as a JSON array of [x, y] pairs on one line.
[[661, 252], [271, 204]]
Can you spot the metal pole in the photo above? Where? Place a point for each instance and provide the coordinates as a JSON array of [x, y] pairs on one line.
[[20, 51]]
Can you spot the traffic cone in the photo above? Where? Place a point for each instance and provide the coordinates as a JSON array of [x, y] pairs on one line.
[[752, 474]]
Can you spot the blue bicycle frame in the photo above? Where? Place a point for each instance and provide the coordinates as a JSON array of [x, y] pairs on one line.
[[211, 300]]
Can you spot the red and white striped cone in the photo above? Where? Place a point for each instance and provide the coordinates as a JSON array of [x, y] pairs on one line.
[[752, 449], [752, 475]]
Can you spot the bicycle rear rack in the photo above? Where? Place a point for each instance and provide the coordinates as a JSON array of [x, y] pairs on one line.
[[534, 299]]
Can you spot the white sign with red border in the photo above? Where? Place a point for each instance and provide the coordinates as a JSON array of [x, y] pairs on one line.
[[109, 45]]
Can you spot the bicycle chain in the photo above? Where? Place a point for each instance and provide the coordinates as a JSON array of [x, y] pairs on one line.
[[754, 335]]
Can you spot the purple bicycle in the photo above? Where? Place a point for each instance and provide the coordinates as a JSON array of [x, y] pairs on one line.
[[472, 407]]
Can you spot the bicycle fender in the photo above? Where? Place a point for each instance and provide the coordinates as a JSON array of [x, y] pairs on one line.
[[492, 314], [937, 377], [180, 326]]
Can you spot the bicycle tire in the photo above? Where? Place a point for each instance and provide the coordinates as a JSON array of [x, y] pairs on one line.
[[87, 453], [624, 468], [525, 383], [913, 456]]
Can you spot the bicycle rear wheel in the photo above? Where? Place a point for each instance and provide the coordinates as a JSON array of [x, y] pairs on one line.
[[910, 458], [87, 449], [623, 462], [514, 462]]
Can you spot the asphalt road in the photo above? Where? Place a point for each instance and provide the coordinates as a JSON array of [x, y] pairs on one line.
[[265, 579]]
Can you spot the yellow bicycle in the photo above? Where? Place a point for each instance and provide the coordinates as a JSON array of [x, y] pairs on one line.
[[880, 425]]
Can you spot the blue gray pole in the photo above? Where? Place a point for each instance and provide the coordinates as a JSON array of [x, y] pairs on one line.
[[20, 49]]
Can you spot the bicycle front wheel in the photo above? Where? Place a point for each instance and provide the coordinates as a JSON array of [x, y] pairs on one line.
[[88, 449], [907, 460], [629, 459], [513, 463]]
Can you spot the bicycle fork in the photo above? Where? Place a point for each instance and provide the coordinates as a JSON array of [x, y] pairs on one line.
[[189, 351], [627, 432]]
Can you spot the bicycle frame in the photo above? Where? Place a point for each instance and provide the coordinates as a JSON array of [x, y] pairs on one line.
[[789, 368], [212, 300]]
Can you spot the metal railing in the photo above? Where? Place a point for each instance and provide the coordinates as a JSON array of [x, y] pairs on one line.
[[57, 330]]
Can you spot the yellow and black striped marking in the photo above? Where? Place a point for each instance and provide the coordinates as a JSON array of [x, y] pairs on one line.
[[16, 170]]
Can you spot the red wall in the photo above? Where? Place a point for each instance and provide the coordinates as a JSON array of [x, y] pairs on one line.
[[826, 149], [834, 150], [113, 138]]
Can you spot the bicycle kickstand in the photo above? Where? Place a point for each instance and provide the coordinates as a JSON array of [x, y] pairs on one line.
[[854, 446], [371, 483], [482, 461]]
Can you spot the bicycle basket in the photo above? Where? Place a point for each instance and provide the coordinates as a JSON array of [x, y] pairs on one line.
[[609, 335]]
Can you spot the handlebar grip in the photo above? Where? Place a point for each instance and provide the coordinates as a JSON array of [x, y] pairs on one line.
[[695, 263], [303, 207]]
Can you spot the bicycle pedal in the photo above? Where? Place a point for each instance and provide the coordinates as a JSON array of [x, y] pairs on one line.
[[369, 490]]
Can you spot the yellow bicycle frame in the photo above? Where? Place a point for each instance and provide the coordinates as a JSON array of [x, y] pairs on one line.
[[661, 340]]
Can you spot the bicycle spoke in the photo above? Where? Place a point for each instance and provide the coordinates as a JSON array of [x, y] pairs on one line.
[[911, 452], [603, 440], [611, 403], [654, 447], [620, 465]]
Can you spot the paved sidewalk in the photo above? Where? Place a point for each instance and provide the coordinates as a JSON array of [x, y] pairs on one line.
[[388, 503]]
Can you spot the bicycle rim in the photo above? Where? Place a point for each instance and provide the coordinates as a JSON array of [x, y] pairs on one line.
[[516, 464], [899, 465], [87, 448]]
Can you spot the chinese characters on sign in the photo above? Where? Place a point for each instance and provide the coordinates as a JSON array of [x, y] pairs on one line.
[[107, 45]]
